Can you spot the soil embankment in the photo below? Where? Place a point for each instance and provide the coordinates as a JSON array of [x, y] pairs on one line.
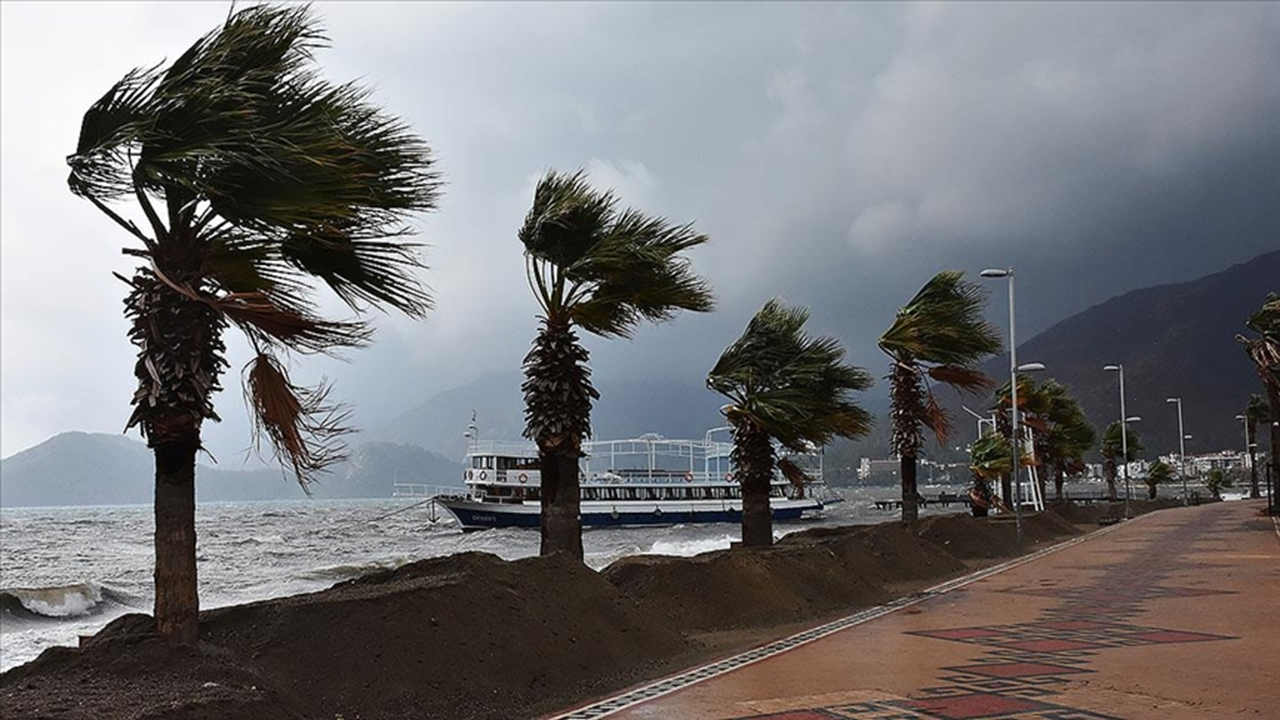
[[473, 636]]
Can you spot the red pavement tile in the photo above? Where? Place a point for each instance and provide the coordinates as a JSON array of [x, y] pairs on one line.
[[1051, 646], [975, 705], [794, 715], [1017, 669], [1174, 636], [1075, 625], [961, 633]]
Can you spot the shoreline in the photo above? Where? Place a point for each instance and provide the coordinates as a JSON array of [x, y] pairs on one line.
[[474, 636]]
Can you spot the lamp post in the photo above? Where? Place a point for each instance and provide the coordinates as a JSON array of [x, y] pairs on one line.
[[1124, 435], [1245, 421], [1015, 444], [1182, 450]]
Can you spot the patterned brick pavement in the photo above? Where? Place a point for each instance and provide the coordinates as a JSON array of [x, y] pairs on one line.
[[1130, 595]]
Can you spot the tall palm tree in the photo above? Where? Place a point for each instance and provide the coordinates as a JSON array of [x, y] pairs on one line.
[[1114, 442], [593, 267], [788, 387], [253, 176], [1257, 411], [940, 335], [1264, 351]]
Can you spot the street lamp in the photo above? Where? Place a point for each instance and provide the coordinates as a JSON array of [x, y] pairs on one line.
[[1015, 445], [1182, 450], [1124, 435]]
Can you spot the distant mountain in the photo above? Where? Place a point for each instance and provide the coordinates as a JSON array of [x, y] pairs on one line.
[[626, 409], [1174, 341], [77, 468]]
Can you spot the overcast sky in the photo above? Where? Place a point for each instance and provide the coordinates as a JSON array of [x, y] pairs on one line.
[[837, 154]]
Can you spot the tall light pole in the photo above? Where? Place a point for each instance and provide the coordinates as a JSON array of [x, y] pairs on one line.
[[1015, 444], [1182, 450], [1245, 462], [1124, 435]]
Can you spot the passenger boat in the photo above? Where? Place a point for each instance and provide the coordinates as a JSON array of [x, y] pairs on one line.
[[649, 480]]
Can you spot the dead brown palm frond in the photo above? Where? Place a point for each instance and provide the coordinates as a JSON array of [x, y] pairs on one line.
[[259, 315], [965, 379], [937, 419], [793, 473], [303, 427]]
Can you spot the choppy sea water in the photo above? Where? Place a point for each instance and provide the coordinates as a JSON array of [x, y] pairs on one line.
[[68, 571]]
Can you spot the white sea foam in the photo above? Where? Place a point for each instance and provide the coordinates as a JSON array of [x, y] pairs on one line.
[[59, 602]]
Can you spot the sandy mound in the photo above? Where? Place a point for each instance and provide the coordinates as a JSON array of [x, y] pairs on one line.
[[472, 636]]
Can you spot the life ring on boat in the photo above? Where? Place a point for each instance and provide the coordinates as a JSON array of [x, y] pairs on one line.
[[688, 477], [468, 474], [484, 475], [522, 478], [728, 477]]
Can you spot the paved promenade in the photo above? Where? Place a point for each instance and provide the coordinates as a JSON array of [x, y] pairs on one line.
[[1171, 615]]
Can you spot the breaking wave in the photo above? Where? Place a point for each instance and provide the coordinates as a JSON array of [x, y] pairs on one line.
[[61, 602]]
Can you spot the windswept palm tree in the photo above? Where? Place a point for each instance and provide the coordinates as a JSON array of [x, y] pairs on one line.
[[593, 267], [990, 460], [1113, 446], [939, 335], [1257, 411], [1158, 474], [1264, 351], [1061, 434], [253, 176], [788, 387]]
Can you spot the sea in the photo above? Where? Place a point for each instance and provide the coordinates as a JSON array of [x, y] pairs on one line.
[[66, 572]]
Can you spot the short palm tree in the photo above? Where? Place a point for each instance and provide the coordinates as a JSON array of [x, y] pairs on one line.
[[990, 459], [788, 387], [1216, 481], [593, 267], [1158, 474], [254, 176], [1113, 454], [939, 335], [1257, 411], [1061, 433]]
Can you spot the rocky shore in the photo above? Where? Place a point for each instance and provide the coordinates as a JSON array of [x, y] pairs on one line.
[[471, 636]]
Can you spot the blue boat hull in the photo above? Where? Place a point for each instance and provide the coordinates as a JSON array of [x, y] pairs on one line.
[[480, 519]]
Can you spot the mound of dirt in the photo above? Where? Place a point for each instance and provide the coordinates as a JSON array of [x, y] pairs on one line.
[[467, 636], [473, 636]]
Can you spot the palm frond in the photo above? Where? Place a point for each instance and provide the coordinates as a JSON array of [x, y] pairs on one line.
[[262, 317], [943, 324], [303, 427], [793, 386], [965, 379]]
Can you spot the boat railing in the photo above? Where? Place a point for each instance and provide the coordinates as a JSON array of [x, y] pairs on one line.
[[504, 448], [421, 490]]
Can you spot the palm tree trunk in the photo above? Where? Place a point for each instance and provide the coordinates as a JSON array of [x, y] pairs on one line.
[[1109, 470], [910, 493], [558, 395], [1251, 439], [561, 524], [754, 458], [177, 607], [1058, 480]]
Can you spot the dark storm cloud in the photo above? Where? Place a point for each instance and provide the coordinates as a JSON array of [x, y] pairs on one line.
[[838, 154]]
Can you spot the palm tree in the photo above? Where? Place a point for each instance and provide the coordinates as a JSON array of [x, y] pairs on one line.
[[1264, 351], [788, 387], [990, 459], [1061, 433], [939, 335], [253, 175], [593, 267], [1113, 452], [1216, 481], [1158, 474], [1257, 411]]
